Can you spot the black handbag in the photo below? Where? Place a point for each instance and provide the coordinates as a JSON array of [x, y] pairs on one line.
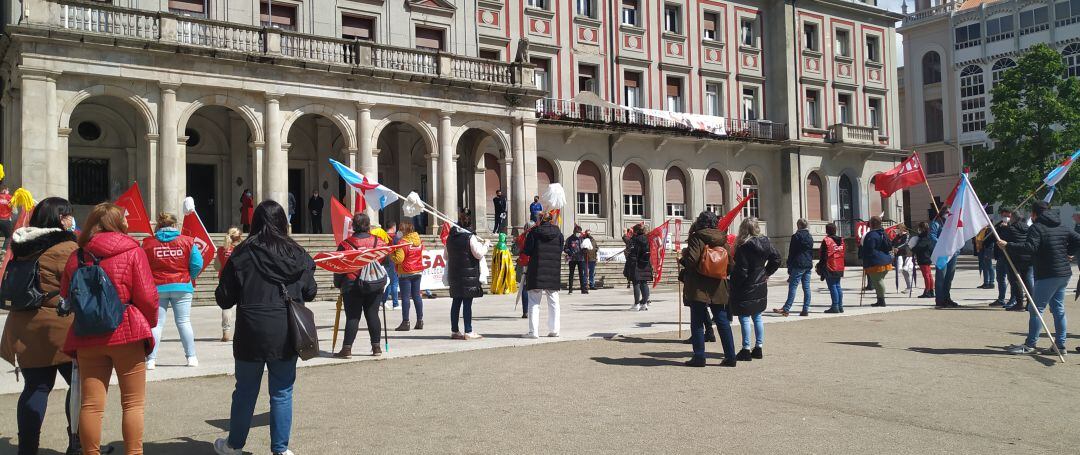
[[302, 330]]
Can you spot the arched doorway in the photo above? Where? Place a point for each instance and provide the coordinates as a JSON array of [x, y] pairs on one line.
[[405, 164], [312, 140], [104, 154], [714, 192], [481, 173], [847, 206], [219, 165], [815, 202]]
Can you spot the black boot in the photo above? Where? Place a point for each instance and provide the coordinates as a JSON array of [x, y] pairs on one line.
[[880, 302], [696, 362], [744, 355], [756, 353], [710, 335], [728, 363]]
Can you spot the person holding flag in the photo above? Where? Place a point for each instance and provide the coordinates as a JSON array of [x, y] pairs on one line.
[[175, 263], [944, 271], [359, 302], [639, 268], [1016, 233], [1052, 243]]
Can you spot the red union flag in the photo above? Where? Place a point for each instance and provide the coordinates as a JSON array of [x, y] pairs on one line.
[[193, 227], [657, 238], [908, 173], [350, 261], [340, 220], [135, 210]]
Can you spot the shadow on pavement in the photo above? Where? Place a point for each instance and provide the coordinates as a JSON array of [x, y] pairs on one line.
[[862, 344], [8, 445], [258, 420], [637, 362], [183, 446], [639, 340]]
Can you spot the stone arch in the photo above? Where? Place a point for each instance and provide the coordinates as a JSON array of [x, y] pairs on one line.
[[414, 121], [343, 123], [687, 184], [137, 102], [493, 131], [725, 180], [816, 194], [246, 112], [602, 184], [647, 189]]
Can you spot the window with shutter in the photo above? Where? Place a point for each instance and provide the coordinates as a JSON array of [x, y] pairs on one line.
[[429, 39], [588, 189], [545, 175], [355, 27], [188, 7], [815, 208], [708, 27], [282, 16], [714, 192], [675, 193]]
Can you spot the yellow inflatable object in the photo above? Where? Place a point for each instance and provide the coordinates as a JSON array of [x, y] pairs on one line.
[[22, 200], [1, 172], [503, 275]]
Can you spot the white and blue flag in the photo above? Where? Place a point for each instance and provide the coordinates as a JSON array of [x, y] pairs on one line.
[[966, 219]]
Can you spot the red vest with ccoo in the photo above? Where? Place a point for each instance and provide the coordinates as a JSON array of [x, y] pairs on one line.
[[170, 262], [835, 260]]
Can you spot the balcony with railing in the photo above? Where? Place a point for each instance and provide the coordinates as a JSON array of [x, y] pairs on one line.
[[853, 134], [929, 13], [580, 114], [169, 29]]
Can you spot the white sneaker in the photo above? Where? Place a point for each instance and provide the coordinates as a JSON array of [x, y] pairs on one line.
[[473, 336], [553, 335], [286, 452], [150, 364], [221, 447], [636, 307], [192, 361], [531, 335]]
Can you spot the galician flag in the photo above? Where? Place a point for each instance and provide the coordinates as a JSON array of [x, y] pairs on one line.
[[1059, 172], [966, 218], [375, 195]]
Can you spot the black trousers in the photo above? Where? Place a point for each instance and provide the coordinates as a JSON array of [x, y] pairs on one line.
[[6, 228], [316, 224], [1017, 294], [33, 402], [359, 305], [500, 222], [580, 267]]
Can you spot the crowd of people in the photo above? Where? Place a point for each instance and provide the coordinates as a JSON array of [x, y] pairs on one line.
[[118, 327]]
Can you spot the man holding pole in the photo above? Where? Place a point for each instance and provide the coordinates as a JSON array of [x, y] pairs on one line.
[[944, 275], [1052, 243]]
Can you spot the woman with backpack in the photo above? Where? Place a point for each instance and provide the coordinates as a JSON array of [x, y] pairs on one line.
[[409, 262], [755, 260], [360, 301], [923, 248], [264, 272], [33, 336], [639, 268], [232, 238], [464, 252], [175, 263], [99, 346], [705, 263], [831, 266]]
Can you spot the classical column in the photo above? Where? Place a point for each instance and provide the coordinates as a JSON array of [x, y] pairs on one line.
[[277, 158], [365, 162], [38, 89], [241, 174], [151, 185], [170, 192], [258, 173], [373, 173], [506, 171], [448, 203], [432, 189], [350, 202], [519, 199]]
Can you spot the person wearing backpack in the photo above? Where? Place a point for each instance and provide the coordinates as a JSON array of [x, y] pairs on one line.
[[575, 255], [639, 268], [111, 330], [361, 298], [464, 252], [264, 272], [831, 266], [755, 261], [409, 262], [175, 263], [33, 337], [705, 264]]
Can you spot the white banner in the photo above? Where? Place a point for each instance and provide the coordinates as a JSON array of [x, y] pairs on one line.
[[611, 255], [435, 267]]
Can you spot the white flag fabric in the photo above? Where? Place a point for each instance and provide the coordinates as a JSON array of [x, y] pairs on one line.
[[966, 218]]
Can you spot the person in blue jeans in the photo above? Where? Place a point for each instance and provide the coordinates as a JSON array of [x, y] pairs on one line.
[[799, 263], [985, 253], [704, 293], [175, 262], [831, 266], [1051, 244], [1001, 268], [263, 273], [755, 260], [943, 277]]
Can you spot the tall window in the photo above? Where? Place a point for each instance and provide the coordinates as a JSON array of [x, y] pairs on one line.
[[541, 76], [1034, 20], [874, 109], [873, 48], [1066, 12], [972, 99], [674, 94], [192, 8], [846, 197], [843, 104], [429, 39], [749, 104], [815, 204], [585, 8], [542, 4], [355, 27], [750, 186], [632, 89], [630, 12], [713, 104], [714, 192], [997, 73], [933, 121], [813, 109], [967, 153], [931, 68], [810, 36], [935, 163], [747, 32], [588, 189], [843, 42], [633, 189], [587, 79], [1072, 60], [968, 35], [672, 19], [675, 193], [710, 27], [282, 16], [999, 28]]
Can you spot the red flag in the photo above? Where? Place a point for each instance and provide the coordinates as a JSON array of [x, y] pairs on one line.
[[891, 231], [350, 261], [952, 194], [725, 222], [908, 173], [194, 228], [22, 221], [444, 232], [361, 203], [340, 220], [135, 210], [656, 238], [861, 229]]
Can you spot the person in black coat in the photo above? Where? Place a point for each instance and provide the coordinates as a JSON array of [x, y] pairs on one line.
[[499, 202], [357, 302], [315, 206], [575, 255], [464, 251], [923, 250], [876, 255], [252, 281], [1001, 266], [543, 245], [755, 260], [639, 268], [1052, 244], [1016, 233], [800, 262]]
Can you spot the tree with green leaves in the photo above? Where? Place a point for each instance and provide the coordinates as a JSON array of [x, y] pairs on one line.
[[1036, 125]]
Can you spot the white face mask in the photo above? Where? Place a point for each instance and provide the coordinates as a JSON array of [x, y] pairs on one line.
[[1005, 219]]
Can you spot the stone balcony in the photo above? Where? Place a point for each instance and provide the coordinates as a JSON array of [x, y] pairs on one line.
[[937, 11], [221, 39], [853, 134]]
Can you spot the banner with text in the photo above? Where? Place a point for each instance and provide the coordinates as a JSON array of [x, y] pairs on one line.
[[435, 263]]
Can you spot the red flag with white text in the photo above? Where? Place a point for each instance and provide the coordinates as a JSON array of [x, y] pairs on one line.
[[135, 210], [340, 220], [193, 227], [908, 173]]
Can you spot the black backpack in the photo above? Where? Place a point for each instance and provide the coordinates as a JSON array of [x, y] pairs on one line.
[[21, 287], [93, 298]]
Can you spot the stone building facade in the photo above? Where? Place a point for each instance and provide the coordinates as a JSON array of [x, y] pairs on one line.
[[456, 99]]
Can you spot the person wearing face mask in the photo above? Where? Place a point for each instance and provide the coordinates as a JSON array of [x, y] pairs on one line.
[[1002, 265]]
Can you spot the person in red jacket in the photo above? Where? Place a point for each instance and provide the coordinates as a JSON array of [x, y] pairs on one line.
[[105, 237], [175, 262], [247, 208], [6, 225]]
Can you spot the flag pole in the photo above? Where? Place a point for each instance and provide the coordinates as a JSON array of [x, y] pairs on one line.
[[926, 182], [337, 323], [1033, 193]]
